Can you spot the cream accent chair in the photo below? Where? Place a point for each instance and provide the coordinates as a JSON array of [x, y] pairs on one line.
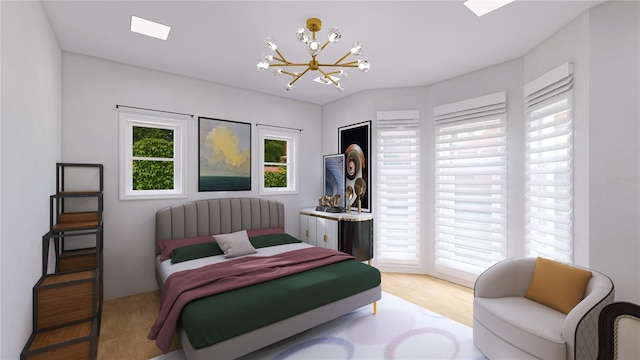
[[506, 325], [619, 331]]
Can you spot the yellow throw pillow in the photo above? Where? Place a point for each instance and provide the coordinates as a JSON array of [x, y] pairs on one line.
[[556, 285]]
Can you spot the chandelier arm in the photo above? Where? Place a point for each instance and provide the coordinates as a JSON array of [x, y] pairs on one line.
[[349, 64], [289, 73], [324, 45], [299, 76], [326, 76], [342, 58], [290, 64], [333, 72], [281, 57]]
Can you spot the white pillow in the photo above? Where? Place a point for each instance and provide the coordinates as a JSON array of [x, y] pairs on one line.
[[235, 244]]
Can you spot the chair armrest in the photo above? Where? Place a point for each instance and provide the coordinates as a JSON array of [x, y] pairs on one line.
[[580, 326], [507, 278]]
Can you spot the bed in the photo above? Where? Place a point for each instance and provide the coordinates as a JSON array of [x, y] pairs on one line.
[[236, 322]]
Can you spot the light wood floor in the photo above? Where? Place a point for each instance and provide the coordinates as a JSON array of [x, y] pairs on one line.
[[126, 321]]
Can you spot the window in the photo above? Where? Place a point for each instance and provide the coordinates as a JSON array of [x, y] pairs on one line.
[[470, 185], [278, 173], [549, 166], [398, 189], [151, 159]]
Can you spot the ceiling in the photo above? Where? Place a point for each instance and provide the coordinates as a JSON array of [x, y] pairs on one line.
[[408, 43]]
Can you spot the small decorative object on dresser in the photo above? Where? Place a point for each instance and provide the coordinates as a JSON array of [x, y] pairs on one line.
[[361, 189], [333, 174], [350, 233]]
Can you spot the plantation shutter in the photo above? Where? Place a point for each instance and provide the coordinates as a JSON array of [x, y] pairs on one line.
[[470, 185], [398, 189], [549, 165]]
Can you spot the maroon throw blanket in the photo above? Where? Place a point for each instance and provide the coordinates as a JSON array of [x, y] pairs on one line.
[[185, 286]]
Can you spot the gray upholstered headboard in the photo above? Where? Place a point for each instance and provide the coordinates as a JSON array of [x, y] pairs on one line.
[[217, 216]]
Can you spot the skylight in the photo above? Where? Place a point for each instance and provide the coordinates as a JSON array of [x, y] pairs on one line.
[[482, 7], [149, 28]]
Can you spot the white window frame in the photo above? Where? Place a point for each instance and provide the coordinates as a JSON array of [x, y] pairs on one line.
[[470, 216], [131, 119], [398, 239], [549, 208], [292, 161]]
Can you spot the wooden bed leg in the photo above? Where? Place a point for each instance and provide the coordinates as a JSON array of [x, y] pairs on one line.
[[375, 307]]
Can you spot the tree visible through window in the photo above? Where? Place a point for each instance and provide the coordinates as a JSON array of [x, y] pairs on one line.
[[278, 173], [152, 158], [275, 163]]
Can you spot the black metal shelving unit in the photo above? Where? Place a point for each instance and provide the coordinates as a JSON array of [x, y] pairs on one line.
[[67, 302]]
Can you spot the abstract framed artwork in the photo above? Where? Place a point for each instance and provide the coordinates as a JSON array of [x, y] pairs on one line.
[[333, 176], [355, 144], [224, 150]]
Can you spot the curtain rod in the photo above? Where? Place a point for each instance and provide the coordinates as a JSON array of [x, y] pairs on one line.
[[280, 127], [140, 108]]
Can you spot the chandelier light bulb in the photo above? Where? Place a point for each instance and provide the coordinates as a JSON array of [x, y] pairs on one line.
[[356, 49], [314, 47], [277, 71], [267, 57], [270, 43], [334, 35], [344, 73], [363, 65], [302, 35], [288, 88], [262, 65], [339, 88]]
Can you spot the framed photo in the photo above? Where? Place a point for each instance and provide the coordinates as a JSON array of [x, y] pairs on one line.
[[355, 145], [333, 176], [224, 162]]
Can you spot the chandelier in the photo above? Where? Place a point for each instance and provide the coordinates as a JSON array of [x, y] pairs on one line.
[[274, 59]]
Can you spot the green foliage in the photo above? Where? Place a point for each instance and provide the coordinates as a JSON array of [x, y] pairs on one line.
[[274, 150], [275, 179], [150, 147], [153, 174], [140, 132]]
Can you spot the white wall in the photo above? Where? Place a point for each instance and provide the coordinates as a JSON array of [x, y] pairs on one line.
[[613, 149], [0, 177], [30, 148], [91, 89]]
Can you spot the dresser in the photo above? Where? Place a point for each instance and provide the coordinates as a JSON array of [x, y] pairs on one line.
[[351, 233]]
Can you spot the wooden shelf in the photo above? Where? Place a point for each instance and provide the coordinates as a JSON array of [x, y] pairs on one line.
[[77, 221], [61, 278], [68, 342], [78, 193], [78, 259], [65, 298]]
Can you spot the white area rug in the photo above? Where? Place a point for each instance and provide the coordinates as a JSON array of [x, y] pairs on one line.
[[400, 330]]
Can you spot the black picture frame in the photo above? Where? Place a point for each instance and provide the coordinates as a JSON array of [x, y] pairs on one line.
[[224, 155], [355, 144], [333, 176]]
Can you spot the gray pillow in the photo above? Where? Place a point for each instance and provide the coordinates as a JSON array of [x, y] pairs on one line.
[[235, 244]]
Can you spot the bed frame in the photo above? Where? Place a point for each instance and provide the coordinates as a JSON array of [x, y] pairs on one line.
[[226, 215]]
